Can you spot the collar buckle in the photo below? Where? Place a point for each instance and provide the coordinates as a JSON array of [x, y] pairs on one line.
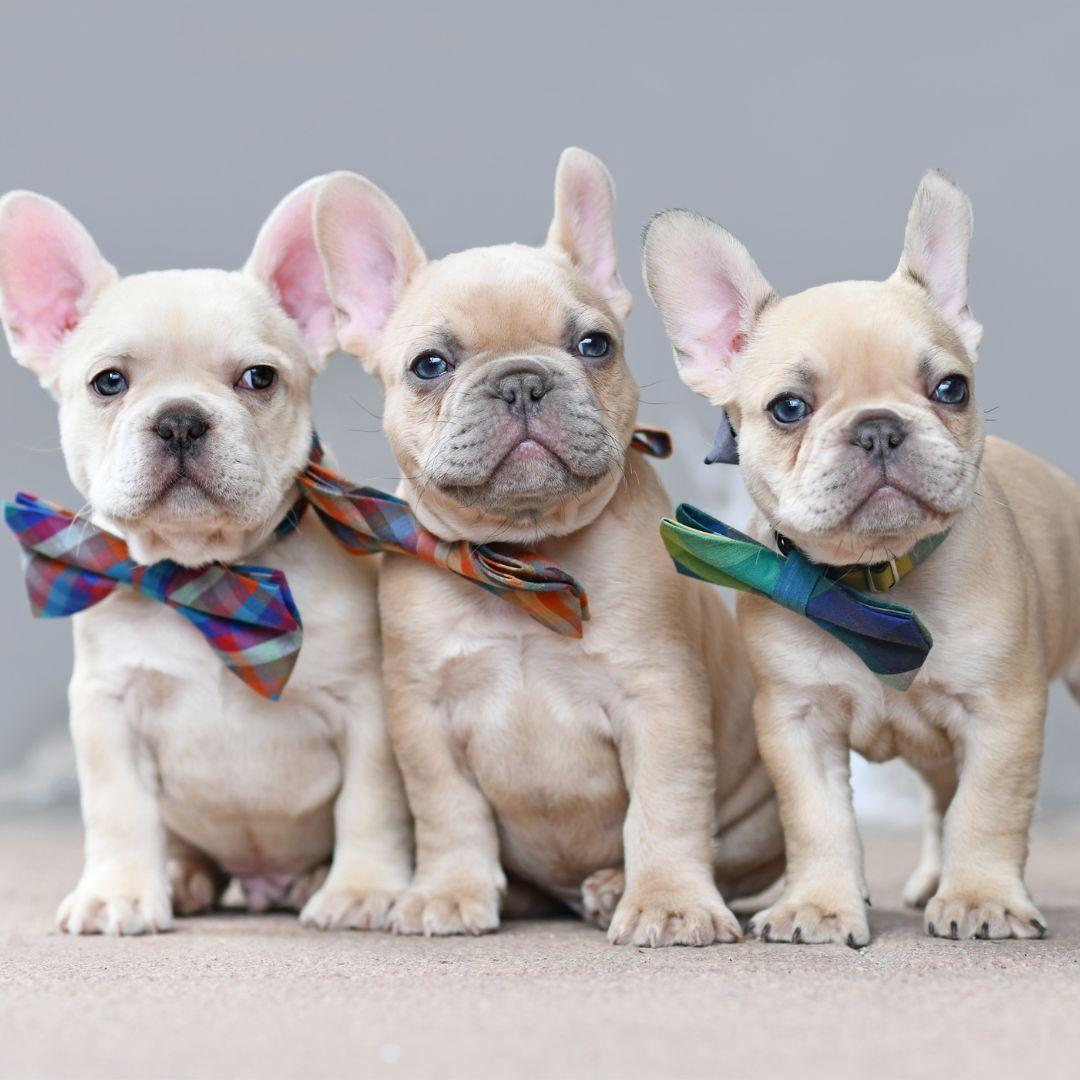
[[880, 568]]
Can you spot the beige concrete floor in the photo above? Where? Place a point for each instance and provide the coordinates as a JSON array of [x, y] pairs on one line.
[[243, 996]]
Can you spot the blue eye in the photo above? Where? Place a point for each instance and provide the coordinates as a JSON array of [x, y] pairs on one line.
[[951, 391], [593, 346], [109, 383], [259, 377], [789, 409], [429, 365]]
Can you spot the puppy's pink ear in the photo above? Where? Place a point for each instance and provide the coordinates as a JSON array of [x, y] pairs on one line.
[[710, 294], [583, 226], [369, 254], [936, 244], [287, 261], [51, 272]]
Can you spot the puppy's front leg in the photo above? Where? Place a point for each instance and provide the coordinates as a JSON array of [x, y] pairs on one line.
[[372, 827], [666, 751], [824, 892], [124, 888], [458, 880], [982, 892]]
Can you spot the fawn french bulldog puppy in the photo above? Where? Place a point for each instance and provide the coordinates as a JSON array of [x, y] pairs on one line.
[[185, 418], [620, 763], [858, 437]]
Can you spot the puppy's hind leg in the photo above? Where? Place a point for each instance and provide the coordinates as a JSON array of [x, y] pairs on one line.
[[600, 895], [523, 900], [939, 786], [1072, 677], [196, 883]]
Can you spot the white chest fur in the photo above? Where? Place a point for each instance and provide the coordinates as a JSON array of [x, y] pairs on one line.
[[248, 781]]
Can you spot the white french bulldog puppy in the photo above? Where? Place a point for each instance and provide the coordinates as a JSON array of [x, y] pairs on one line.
[[858, 436], [620, 764], [185, 417]]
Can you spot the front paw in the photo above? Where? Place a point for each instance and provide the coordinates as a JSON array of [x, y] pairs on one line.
[[344, 905], [600, 895], [813, 922], [436, 912], [962, 914], [658, 916], [118, 906]]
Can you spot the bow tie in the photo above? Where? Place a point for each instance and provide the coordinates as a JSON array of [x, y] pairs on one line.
[[246, 613], [888, 638], [364, 520]]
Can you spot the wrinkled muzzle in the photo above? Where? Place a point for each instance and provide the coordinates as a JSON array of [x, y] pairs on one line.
[[520, 429]]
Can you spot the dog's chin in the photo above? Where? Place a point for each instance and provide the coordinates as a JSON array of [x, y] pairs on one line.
[[890, 512], [887, 523], [187, 522], [530, 480]]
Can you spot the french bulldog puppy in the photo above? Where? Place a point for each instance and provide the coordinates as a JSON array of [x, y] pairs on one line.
[[185, 417], [622, 763], [858, 436]]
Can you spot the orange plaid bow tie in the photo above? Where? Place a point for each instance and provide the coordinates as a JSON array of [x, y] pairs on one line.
[[365, 521]]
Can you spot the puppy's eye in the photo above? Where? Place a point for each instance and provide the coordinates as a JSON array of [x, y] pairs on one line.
[[594, 345], [109, 383], [952, 390], [789, 409], [430, 365], [259, 377]]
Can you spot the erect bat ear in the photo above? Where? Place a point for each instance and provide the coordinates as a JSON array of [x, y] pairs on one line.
[[286, 260], [51, 272], [369, 254], [936, 245], [584, 224], [710, 294]]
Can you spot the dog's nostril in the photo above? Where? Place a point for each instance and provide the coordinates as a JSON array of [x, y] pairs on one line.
[[523, 388], [879, 437], [178, 429]]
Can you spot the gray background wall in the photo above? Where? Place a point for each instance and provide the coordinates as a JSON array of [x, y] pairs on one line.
[[172, 130]]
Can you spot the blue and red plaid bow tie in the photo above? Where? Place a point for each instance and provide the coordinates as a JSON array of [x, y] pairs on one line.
[[246, 613]]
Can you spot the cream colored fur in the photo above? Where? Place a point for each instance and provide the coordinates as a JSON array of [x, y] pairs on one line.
[[1001, 596], [556, 760], [187, 776]]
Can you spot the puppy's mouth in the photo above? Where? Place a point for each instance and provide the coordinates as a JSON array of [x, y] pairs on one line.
[[527, 469], [183, 490], [890, 508], [175, 496]]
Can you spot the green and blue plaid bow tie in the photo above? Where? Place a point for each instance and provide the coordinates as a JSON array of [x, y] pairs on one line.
[[888, 638]]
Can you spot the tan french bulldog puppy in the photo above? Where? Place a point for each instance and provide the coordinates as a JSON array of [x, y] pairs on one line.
[[185, 416], [858, 435], [510, 408]]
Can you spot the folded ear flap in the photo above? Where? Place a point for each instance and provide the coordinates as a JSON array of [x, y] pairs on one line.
[[710, 294], [51, 272], [287, 261], [583, 226], [369, 254], [936, 244]]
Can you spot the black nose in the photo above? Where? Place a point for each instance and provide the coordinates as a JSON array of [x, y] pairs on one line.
[[180, 429], [522, 389], [880, 436]]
